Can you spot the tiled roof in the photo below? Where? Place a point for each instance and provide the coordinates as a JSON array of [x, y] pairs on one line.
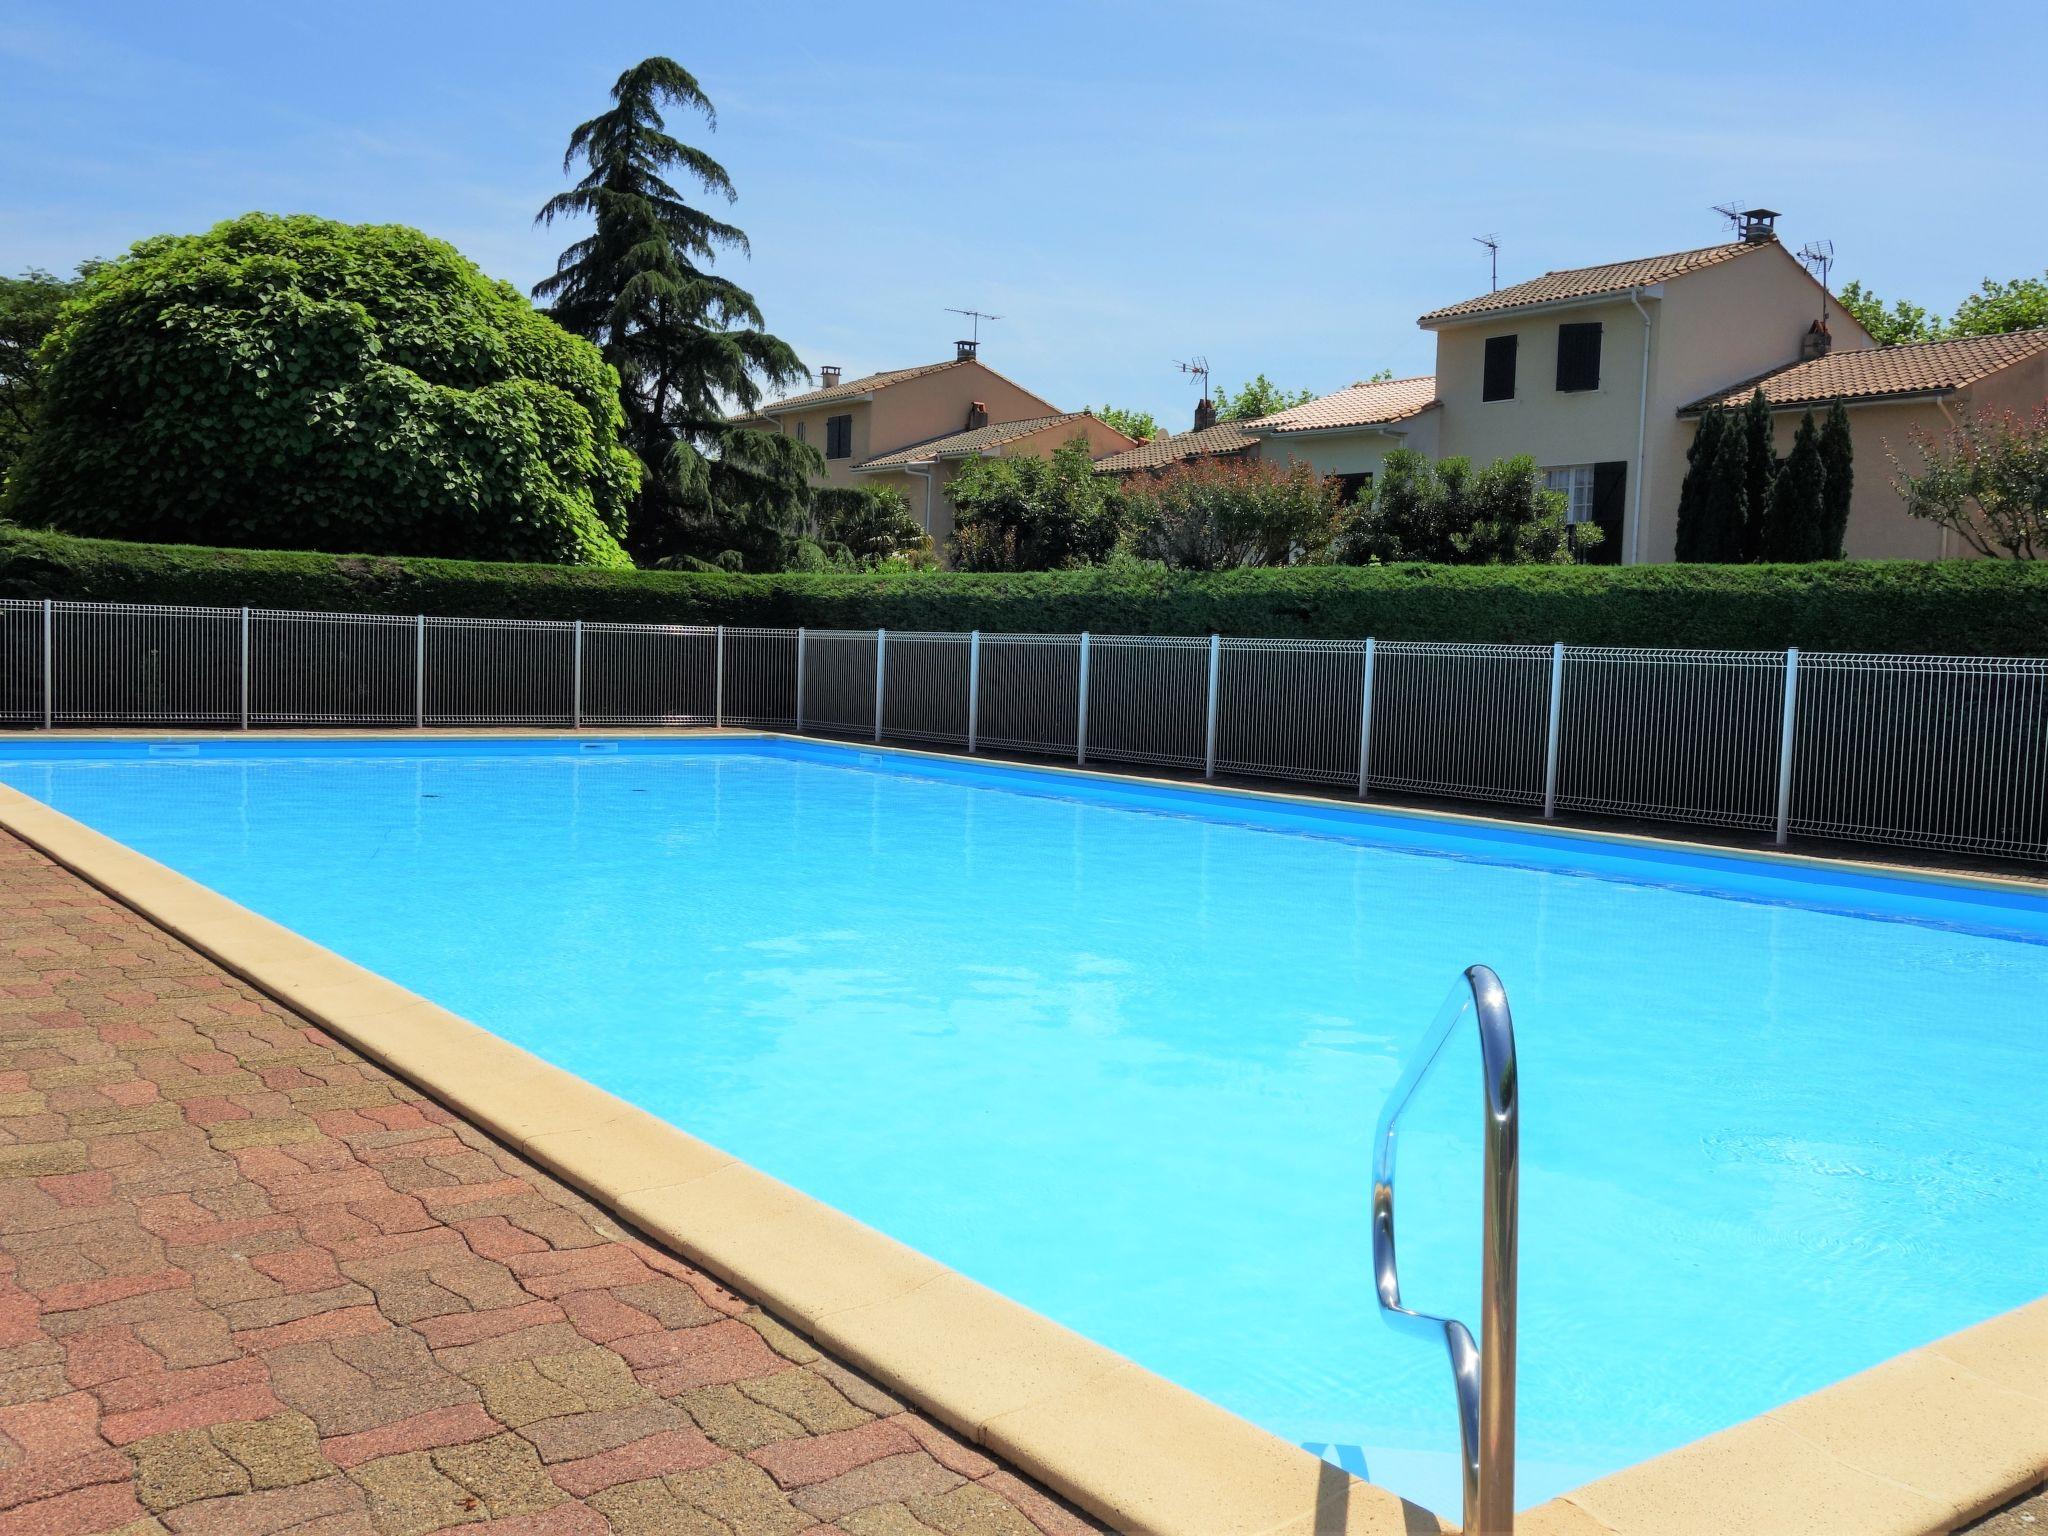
[[1591, 282], [1876, 373], [1362, 405], [1224, 437], [955, 445], [849, 389]]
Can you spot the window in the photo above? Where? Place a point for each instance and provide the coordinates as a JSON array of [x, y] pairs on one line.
[[1576, 481], [1351, 487], [1578, 357], [1499, 383], [838, 437], [801, 436]]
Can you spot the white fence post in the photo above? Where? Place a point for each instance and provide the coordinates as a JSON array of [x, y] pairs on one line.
[[718, 684], [419, 672], [576, 685], [1081, 715], [1215, 694], [881, 676], [801, 638], [245, 669], [1365, 719], [49, 665], [1786, 730], [1556, 727], [973, 690]]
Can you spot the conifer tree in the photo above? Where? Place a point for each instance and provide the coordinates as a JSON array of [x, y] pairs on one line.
[[1795, 521], [1726, 513], [1838, 458], [688, 343], [1759, 467], [1699, 540]]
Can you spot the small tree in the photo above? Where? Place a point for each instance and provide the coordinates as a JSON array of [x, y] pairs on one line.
[[1701, 537], [1509, 517], [1406, 514], [1838, 458], [1795, 519], [1261, 397], [1727, 505], [1986, 481], [1033, 514], [868, 527], [1135, 424], [1220, 514], [1759, 468]]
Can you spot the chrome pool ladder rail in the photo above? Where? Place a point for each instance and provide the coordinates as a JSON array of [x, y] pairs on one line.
[[1483, 1372]]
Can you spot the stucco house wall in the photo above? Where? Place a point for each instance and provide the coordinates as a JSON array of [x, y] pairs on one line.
[[1353, 450], [934, 404]]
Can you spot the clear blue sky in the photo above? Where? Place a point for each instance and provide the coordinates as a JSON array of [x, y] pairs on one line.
[[1281, 187]]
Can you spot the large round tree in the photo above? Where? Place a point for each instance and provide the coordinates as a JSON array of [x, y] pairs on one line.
[[294, 383]]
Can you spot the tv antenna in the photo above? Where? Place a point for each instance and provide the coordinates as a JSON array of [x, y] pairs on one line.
[[1492, 244], [1200, 369], [977, 315], [1732, 211], [1819, 258]]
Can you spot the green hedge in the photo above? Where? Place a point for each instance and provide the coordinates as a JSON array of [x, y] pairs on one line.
[[1979, 607]]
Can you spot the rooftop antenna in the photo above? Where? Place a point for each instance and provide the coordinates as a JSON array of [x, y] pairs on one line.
[[1731, 211], [972, 345], [1819, 257], [1200, 369], [1492, 244]]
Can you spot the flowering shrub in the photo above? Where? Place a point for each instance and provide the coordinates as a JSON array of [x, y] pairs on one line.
[[1219, 514]]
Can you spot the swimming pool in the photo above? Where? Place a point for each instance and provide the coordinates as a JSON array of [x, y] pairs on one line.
[[1117, 1049]]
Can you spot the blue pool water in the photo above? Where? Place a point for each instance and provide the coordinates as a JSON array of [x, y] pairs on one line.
[[1117, 1050]]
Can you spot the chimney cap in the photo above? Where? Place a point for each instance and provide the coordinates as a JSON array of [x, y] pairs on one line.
[[828, 375], [963, 351], [1759, 225]]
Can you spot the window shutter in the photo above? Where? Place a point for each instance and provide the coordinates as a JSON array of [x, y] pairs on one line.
[[838, 437], [1578, 356], [1499, 382], [1610, 508]]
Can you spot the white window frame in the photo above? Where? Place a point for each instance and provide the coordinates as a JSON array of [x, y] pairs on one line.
[[1576, 481]]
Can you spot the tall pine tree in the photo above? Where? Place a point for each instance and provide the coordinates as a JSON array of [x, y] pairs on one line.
[[1795, 520], [689, 344], [1703, 535], [1759, 467], [1727, 498], [1838, 457]]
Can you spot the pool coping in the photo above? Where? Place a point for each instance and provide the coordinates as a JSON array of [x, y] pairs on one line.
[[1914, 1446]]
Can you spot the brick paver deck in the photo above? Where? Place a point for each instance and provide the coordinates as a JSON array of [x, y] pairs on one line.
[[249, 1283]]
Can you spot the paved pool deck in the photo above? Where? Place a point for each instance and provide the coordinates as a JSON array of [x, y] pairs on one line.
[[250, 1283]]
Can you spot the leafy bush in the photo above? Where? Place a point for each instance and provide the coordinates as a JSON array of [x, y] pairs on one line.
[[1033, 514], [868, 527], [1986, 481], [1213, 514], [298, 383], [1966, 607], [1444, 510]]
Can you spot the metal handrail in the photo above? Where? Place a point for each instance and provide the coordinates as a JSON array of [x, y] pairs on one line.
[[1484, 1373]]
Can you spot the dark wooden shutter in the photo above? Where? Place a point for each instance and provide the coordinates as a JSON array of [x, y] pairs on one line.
[[1610, 510], [1499, 383], [838, 437], [1578, 356]]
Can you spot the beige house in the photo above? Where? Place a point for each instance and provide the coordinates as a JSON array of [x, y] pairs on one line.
[[1892, 394], [912, 428]]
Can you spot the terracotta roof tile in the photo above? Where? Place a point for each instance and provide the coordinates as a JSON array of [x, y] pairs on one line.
[[1224, 437], [1362, 405], [954, 445], [849, 389], [1876, 373], [1591, 282]]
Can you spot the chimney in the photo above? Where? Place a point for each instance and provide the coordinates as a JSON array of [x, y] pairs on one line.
[[977, 415], [828, 376], [1205, 413], [1816, 342], [1759, 226], [963, 351]]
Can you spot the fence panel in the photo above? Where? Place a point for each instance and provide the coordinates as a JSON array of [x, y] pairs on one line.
[[122, 663], [649, 674], [1148, 700], [21, 661], [500, 672], [1030, 692], [839, 681], [1931, 751], [1675, 735], [332, 668], [1464, 721], [760, 677], [925, 695], [1289, 709]]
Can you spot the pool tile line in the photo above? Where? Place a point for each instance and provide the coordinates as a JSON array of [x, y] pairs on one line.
[[1125, 1445]]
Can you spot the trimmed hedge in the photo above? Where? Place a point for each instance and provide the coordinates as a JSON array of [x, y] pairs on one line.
[[1962, 607]]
